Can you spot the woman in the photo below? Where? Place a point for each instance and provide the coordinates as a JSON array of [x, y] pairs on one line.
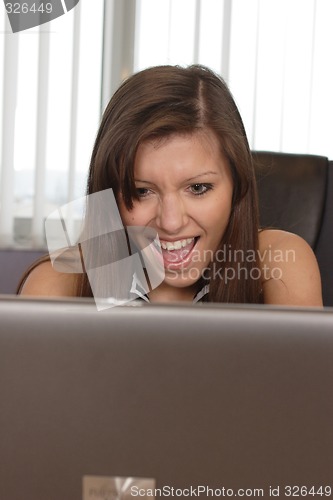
[[173, 148]]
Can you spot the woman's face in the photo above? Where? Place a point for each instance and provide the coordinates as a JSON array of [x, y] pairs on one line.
[[185, 190]]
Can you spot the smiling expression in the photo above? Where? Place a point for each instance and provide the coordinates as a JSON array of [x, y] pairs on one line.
[[185, 187]]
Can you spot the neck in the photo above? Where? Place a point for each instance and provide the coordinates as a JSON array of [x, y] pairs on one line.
[[166, 293]]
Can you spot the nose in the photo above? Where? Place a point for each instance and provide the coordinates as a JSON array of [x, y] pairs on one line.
[[171, 215]]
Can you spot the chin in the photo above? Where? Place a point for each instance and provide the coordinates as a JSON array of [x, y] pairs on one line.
[[183, 278]]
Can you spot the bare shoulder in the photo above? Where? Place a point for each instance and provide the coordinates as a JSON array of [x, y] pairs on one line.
[[289, 269], [274, 243], [43, 280]]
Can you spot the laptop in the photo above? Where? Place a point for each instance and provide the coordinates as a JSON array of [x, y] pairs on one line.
[[170, 400]]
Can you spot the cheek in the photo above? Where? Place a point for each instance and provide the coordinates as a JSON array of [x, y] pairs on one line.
[[218, 220], [127, 217], [134, 217], [125, 214]]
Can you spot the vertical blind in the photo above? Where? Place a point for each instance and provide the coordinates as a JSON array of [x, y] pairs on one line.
[[50, 110], [275, 56]]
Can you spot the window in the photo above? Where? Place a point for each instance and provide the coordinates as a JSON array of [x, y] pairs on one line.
[[51, 112], [274, 54]]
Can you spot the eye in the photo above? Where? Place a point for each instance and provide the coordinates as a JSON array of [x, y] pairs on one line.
[[200, 188], [142, 192]]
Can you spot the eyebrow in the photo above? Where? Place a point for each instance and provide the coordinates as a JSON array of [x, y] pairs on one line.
[[201, 175], [186, 180]]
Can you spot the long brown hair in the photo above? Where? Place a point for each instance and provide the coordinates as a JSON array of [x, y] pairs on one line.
[[165, 100]]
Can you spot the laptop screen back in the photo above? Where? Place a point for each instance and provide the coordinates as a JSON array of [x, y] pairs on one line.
[[190, 397]]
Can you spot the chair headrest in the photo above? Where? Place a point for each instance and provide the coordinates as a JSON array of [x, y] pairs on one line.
[[292, 191]]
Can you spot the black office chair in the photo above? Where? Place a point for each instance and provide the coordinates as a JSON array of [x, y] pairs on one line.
[[296, 194]]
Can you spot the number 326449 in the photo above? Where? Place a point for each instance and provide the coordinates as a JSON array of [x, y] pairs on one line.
[[302, 491], [24, 8]]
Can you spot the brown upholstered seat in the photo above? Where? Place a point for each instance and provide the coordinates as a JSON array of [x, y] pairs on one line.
[[296, 194]]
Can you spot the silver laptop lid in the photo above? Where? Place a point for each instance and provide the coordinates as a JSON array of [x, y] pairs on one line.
[[203, 400]]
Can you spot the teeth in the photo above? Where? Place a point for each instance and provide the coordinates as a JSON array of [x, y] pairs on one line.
[[176, 245]]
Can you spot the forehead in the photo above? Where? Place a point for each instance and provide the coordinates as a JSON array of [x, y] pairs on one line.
[[194, 149]]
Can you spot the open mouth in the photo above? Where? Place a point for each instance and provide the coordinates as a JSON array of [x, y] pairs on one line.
[[178, 253]]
